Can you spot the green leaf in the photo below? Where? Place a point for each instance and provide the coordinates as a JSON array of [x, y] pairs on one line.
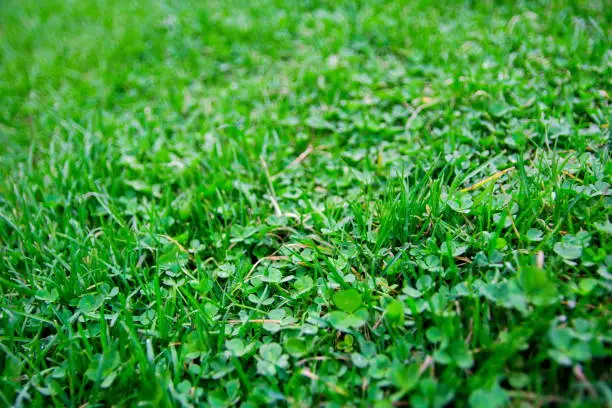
[[518, 380], [561, 338], [424, 283], [169, 256], [461, 204], [344, 321], [271, 352], [224, 271], [567, 250], [500, 243], [404, 377], [266, 368], [394, 312], [359, 360], [534, 234], [102, 368], [537, 286], [434, 334], [580, 352], [303, 283], [272, 275], [275, 326], [296, 347], [587, 285], [560, 357], [442, 356], [605, 227], [379, 366], [410, 291], [354, 321], [108, 380], [495, 397], [347, 300], [498, 109], [12, 366], [90, 303], [461, 355], [235, 347], [47, 296]]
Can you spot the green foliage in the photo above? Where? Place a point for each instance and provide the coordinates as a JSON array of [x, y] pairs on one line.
[[321, 203], [394, 312], [347, 300]]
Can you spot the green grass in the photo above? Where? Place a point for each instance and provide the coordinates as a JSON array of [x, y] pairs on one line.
[[367, 203]]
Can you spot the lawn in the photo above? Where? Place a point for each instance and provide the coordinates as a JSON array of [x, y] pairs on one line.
[[311, 203]]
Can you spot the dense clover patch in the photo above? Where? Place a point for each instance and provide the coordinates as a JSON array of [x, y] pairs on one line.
[[382, 204]]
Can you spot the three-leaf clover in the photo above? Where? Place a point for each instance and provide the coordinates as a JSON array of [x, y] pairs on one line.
[[350, 314], [271, 359]]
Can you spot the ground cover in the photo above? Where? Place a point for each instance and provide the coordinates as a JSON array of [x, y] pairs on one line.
[[369, 203]]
